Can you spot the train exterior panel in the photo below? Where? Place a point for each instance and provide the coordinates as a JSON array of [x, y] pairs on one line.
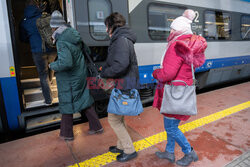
[[8, 82], [224, 23], [230, 54]]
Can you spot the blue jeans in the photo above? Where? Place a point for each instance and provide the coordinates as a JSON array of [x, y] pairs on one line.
[[175, 135], [41, 63]]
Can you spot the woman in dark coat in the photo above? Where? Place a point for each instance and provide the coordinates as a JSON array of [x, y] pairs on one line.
[[71, 77], [122, 65]]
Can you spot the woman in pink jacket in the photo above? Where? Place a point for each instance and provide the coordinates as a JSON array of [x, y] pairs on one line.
[[183, 49]]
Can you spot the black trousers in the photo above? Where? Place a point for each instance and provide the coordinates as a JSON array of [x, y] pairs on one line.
[[67, 122]]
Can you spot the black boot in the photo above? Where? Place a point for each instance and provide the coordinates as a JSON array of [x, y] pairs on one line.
[[123, 157], [188, 158], [166, 155]]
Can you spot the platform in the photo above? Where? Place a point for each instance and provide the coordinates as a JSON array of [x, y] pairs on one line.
[[220, 134]]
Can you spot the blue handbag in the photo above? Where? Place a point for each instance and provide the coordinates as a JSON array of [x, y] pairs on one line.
[[123, 104]]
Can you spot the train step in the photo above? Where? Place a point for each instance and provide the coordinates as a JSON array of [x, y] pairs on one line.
[[42, 118], [34, 83], [46, 121], [39, 104], [28, 72], [32, 93], [35, 94]]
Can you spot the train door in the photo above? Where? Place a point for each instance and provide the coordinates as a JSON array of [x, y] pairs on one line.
[[88, 18], [35, 114]]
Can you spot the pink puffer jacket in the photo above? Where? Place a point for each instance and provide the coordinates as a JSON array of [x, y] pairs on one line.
[[177, 65]]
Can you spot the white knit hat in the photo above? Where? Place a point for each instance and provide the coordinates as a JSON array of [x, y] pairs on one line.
[[56, 19], [183, 23]]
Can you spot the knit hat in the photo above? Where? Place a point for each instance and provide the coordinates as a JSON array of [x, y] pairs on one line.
[[190, 14], [56, 19], [183, 23]]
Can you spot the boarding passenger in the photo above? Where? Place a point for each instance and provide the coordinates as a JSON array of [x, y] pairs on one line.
[[71, 76], [29, 33], [176, 65], [121, 64]]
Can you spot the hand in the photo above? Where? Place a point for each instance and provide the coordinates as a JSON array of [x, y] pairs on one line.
[[49, 65], [100, 68], [155, 73]]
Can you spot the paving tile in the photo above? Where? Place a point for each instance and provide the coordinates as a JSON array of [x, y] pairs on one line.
[[42, 150], [216, 144], [145, 158], [212, 151], [87, 146], [233, 129], [217, 100], [148, 123]]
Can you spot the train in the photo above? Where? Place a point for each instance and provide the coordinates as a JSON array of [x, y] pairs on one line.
[[225, 24]]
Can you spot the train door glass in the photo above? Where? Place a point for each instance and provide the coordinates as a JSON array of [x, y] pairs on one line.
[[217, 25], [245, 27], [98, 11], [160, 16]]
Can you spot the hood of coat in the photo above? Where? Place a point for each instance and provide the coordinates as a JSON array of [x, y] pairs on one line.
[[70, 35], [124, 31], [32, 11], [192, 49]]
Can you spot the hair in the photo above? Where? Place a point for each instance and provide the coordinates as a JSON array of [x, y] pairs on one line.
[[31, 2], [114, 21]]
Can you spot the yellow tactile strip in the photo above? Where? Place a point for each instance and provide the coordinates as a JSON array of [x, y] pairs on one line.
[[109, 157]]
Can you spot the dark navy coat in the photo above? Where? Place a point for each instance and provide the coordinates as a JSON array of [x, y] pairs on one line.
[[28, 28]]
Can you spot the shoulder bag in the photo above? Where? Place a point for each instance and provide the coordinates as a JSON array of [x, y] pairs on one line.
[[125, 104], [179, 100]]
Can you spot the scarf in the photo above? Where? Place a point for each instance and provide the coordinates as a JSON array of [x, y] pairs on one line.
[[171, 39], [58, 31]]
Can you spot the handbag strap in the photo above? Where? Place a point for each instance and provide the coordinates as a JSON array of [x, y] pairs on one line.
[[126, 39], [89, 58], [193, 76]]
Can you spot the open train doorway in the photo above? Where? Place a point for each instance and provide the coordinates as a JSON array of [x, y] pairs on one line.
[[36, 113], [26, 44]]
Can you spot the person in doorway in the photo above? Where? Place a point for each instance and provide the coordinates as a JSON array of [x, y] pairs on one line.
[[121, 64], [29, 33], [183, 49], [71, 77]]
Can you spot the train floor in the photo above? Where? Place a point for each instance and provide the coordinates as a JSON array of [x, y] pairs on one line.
[[220, 134]]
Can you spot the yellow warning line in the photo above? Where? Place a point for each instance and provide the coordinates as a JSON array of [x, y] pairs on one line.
[[109, 157]]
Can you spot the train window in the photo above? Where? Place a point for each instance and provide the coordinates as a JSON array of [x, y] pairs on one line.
[[160, 16], [217, 25], [245, 27], [98, 11]]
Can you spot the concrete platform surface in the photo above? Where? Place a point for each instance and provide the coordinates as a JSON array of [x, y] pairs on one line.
[[220, 134]]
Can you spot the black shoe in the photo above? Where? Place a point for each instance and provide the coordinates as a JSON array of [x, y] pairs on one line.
[[123, 157], [114, 149]]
